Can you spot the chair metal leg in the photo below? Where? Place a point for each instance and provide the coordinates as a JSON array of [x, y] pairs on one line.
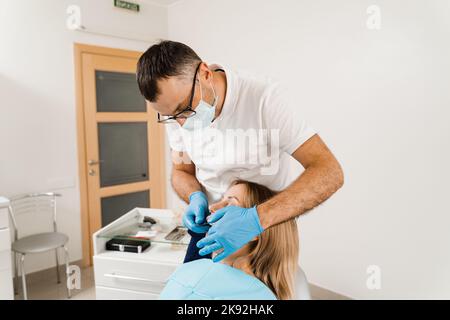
[[58, 278], [16, 275], [69, 295], [22, 270]]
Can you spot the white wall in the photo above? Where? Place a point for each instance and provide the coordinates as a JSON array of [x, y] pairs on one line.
[[380, 99], [38, 144]]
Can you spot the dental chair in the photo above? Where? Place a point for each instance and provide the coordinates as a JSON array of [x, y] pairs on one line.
[[301, 290]]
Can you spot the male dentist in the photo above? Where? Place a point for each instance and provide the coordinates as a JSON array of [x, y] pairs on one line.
[[206, 109]]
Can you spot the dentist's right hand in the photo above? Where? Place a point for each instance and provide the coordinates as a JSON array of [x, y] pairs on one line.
[[196, 213]]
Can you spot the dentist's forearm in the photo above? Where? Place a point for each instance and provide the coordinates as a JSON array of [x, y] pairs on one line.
[[315, 185], [184, 184]]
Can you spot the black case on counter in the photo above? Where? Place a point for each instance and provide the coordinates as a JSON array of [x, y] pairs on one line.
[[127, 245]]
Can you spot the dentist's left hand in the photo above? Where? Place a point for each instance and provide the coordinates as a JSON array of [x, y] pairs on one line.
[[196, 213]]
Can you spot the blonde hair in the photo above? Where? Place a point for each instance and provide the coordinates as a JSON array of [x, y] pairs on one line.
[[273, 256]]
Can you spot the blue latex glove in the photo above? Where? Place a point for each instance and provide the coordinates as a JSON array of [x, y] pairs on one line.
[[196, 213], [233, 227]]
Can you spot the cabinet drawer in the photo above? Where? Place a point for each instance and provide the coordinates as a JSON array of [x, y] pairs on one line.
[[104, 293], [5, 241], [4, 218], [6, 285], [135, 275]]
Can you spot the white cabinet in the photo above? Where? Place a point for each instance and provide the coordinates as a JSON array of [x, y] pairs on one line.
[[6, 283], [127, 275]]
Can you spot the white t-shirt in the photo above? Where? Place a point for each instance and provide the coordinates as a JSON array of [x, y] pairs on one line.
[[252, 139]]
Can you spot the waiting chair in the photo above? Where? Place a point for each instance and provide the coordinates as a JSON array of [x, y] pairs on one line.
[[37, 243]]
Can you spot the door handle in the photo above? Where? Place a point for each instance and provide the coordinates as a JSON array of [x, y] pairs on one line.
[[92, 162]]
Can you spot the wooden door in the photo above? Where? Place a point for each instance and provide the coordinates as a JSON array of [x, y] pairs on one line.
[[121, 146]]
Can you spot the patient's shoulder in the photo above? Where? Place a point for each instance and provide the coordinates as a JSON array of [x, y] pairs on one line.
[[192, 272], [204, 279]]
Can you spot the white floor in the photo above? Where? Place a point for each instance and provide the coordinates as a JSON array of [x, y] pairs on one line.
[[43, 286]]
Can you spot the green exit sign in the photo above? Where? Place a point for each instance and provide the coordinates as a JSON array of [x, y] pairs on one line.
[[126, 5]]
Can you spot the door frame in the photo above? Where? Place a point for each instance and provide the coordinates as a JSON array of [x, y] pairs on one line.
[[79, 50]]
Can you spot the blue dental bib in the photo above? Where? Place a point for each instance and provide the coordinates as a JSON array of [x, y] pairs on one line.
[[205, 280]]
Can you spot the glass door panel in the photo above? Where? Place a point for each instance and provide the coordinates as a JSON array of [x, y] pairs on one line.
[[116, 206], [118, 92], [123, 148]]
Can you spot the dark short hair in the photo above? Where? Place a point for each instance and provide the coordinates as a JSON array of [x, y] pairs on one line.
[[161, 61]]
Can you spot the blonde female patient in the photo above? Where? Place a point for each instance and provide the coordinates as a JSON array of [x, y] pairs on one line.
[[263, 269]]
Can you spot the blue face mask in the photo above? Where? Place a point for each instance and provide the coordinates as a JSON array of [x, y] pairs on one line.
[[204, 113]]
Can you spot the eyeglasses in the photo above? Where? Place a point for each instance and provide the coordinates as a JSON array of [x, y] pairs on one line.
[[186, 112]]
